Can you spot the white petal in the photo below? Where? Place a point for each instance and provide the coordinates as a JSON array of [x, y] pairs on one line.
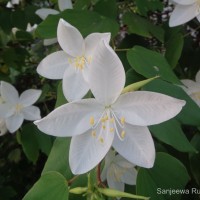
[[14, 122], [86, 151], [191, 86], [188, 83], [137, 146], [198, 17], [122, 162], [197, 78], [6, 110], [74, 85], [183, 14], [54, 65], [147, 108], [9, 93], [113, 184], [92, 40], [184, 2], [70, 39], [48, 42], [31, 113], [70, 119], [129, 176], [44, 12], [106, 75], [64, 4], [15, 2], [29, 97], [108, 159]]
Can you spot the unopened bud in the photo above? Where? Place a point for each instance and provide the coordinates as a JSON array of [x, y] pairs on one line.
[[115, 193], [78, 190]]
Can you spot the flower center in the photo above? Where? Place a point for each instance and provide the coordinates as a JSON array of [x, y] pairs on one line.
[[79, 62], [108, 123], [18, 108]]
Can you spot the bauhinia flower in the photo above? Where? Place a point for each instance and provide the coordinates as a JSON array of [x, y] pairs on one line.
[[73, 62], [110, 119], [11, 3], [184, 11], [43, 13], [192, 88], [15, 108], [118, 172]]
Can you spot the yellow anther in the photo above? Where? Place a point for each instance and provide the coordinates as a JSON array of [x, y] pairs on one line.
[[104, 127], [101, 140], [122, 120], [102, 120], [106, 117], [92, 121], [112, 120], [123, 134], [112, 130], [94, 133]]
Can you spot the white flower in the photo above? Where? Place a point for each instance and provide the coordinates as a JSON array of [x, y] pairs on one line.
[[110, 119], [17, 108], [72, 63], [184, 11], [11, 3], [118, 172], [193, 88], [43, 13], [30, 28]]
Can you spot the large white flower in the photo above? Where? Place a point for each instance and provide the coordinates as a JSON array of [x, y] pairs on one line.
[[193, 88], [17, 108], [184, 11], [110, 119], [43, 13], [118, 172], [72, 63]]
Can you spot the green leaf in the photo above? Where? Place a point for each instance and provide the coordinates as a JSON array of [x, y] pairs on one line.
[[170, 132], [144, 6], [60, 96], [29, 143], [33, 140], [140, 26], [167, 173], [190, 114], [150, 63], [174, 48], [107, 8], [58, 159], [86, 21], [195, 158], [51, 186], [82, 4], [132, 76]]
